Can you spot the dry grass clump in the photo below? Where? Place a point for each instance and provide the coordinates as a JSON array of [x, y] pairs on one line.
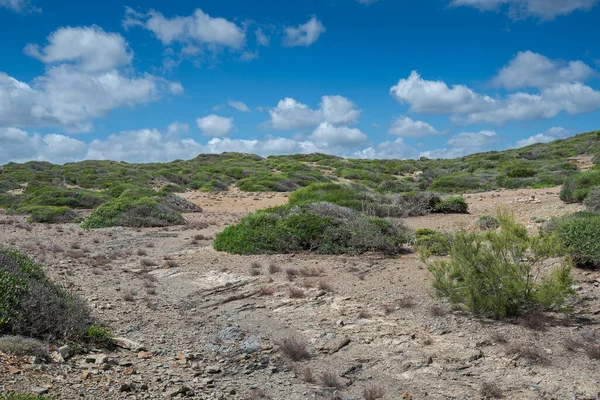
[[498, 337], [129, 295], [171, 264], [54, 248], [291, 273], [22, 346], [373, 393], [305, 374], [527, 352], [330, 380], [200, 237], [489, 390], [294, 349], [266, 291], [274, 268], [147, 262], [311, 272], [438, 311], [99, 260], [141, 252], [406, 302], [76, 254], [325, 287], [388, 308], [535, 320], [296, 293], [364, 314]]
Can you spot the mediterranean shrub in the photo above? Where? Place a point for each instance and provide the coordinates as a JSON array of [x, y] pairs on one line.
[[580, 235]]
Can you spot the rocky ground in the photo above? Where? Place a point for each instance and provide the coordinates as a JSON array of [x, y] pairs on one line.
[[201, 324]]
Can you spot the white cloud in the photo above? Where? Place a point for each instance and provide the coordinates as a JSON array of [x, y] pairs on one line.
[[90, 48], [198, 28], [530, 69], [474, 140], [542, 9], [303, 35], [19, 146], [249, 56], [214, 125], [82, 83], [436, 97], [544, 137], [177, 128], [397, 149], [339, 110], [261, 38], [331, 135], [467, 106], [291, 114], [238, 105], [19, 5], [406, 127]]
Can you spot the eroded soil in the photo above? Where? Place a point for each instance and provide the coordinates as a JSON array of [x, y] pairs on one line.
[[208, 324]]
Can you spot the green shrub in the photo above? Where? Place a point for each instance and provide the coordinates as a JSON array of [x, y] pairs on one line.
[[99, 336], [520, 171], [487, 222], [576, 187], [592, 200], [430, 242], [580, 235], [50, 214], [496, 273], [457, 183], [32, 306], [320, 227], [133, 212], [452, 205]]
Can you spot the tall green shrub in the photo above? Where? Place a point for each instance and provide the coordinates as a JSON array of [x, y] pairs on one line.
[[499, 273]]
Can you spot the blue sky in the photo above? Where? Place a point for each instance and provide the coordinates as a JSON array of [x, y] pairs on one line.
[[157, 81]]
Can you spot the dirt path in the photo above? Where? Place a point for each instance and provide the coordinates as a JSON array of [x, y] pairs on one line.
[[210, 322]]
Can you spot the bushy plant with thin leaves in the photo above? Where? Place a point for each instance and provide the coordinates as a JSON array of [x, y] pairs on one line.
[[501, 273]]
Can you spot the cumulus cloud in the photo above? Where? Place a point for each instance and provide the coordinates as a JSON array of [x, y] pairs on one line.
[[530, 69], [542, 9], [291, 114], [331, 135], [198, 28], [436, 97], [397, 149], [303, 35], [82, 82], [19, 146], [214, 125], [406, 127], [90, 48], [467, 106], [544, 137], [238, 105]]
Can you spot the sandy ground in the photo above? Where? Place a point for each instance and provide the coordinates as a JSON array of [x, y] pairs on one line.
[[210, 323]]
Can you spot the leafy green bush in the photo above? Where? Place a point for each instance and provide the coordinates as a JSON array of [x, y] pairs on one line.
[[580, 235], [457, 183], [487, 222], [51, 214], [321, 227], [592, 200], [451, 205], [430, 242], [577, 187], [496, 273], [99, 336], [133, 212], [520, 171], [32, 306]]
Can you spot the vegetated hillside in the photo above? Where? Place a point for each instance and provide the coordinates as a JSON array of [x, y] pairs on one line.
[[88, 184]]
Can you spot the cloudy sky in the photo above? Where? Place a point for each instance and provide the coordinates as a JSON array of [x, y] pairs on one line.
[[158, 81]]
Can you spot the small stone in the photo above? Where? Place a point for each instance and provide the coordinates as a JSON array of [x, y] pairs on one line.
[[85, 375], [144, 355], [212, 369], [39, 390], [65, 351], [126, 387], [128, 344]]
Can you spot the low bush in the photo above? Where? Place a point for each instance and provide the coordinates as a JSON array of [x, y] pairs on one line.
[[321, 227], [577, 186], [51, 214], [22, 346], [430, 242], [486, 222], [580, 235], [592, 200], [22, 396], [497, 273], [451, 205], [457, 183], [33, 306], [134, 212]]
